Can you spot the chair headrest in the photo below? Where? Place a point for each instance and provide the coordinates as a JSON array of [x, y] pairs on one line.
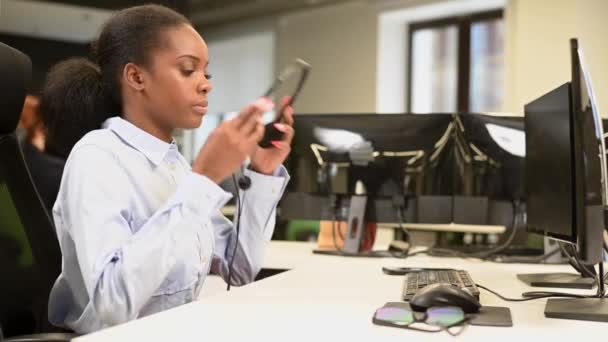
[[15, 75]]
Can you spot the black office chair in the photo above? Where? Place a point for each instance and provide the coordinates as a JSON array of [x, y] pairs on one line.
[[30, 257]]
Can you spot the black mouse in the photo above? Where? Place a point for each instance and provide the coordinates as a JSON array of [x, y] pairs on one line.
[[443, 294]]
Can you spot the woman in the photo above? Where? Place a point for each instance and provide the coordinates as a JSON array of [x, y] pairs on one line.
[[139, 228]]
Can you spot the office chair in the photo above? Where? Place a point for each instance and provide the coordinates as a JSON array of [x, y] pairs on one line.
[[30, 257]]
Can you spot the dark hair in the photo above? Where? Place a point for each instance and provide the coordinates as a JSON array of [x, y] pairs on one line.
[[72, 104], [130, 36], [79, 95]]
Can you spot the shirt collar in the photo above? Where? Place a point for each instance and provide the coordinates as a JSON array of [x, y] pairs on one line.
[[153, 148]]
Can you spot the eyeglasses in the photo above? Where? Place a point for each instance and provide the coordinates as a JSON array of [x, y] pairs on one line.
[[400, 315]]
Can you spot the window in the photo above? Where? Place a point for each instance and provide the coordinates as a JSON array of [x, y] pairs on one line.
[[456, 64]]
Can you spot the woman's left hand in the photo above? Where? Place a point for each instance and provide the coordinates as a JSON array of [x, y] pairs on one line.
[[266, 160]]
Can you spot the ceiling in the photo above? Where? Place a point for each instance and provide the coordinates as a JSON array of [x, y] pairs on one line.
[[213, 12], [118, 4]]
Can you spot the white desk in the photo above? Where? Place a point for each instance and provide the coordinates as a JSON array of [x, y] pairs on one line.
[[230, 210], [329, 298], [282, 255]]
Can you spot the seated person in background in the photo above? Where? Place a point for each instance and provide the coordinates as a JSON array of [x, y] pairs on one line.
[[45, 169], [57, 121], [30, 126]]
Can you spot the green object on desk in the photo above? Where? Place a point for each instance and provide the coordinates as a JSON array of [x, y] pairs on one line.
[[302, 230]]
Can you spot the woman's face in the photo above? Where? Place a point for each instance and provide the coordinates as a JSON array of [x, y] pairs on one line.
[[178, 92]]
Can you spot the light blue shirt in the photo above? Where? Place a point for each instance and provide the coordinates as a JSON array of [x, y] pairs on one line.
[[139, 231]]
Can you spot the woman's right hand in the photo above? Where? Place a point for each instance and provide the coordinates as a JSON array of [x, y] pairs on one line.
[[229, 145]]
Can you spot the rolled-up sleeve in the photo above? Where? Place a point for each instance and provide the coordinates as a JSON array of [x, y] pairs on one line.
[[258, 216], [122, 268]]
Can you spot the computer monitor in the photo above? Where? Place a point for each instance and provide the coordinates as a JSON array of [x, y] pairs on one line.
[[499, 141], [386, 153], [563, 166], [441, 165], [419, 154], [590, 163], [565, 179]]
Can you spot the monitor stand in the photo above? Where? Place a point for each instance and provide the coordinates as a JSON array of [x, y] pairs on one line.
[[353, 240], [560, 280], [355, 232], [586, 309]]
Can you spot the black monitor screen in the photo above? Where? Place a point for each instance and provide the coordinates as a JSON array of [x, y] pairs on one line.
[[332, 153], [549, 173], [419, 154]]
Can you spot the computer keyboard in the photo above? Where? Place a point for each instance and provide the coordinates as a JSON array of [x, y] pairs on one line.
[[415, 281]]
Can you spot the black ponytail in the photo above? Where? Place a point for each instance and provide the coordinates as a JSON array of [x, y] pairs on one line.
[[72, 104], [80, 94]]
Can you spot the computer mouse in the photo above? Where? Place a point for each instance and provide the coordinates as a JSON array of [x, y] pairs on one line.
[[443, 294]]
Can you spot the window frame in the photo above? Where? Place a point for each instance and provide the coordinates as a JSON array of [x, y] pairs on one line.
[[464, 23]]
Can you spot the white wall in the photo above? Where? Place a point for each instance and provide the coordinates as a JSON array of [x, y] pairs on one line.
[[538, 55], [592, 27], [537, 48], [340, 44]]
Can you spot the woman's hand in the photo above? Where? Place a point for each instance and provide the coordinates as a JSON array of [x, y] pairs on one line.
[[232, 142], [266, 160]]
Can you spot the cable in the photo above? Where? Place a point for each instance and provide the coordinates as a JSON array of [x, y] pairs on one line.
[[486, 254], [408, 236], [574, 261], [507, 243], [340, 234], [541, 294], [601, 278], [534, 295], [399, 203], [585, 270], [333, 204], [241, 182], [523, 259], [571, 260], [333, 233]]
